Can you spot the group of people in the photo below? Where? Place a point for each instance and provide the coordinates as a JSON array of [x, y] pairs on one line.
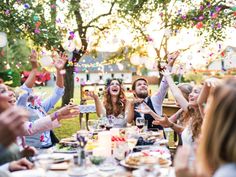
[[205, 121], [24, 122]]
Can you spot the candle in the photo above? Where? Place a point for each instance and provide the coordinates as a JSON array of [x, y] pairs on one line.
[[115, 131], [104, 144], [100, 152]]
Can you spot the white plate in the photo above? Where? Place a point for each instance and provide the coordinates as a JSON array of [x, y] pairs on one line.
[[106, 168], [29, 173], [79, 172]]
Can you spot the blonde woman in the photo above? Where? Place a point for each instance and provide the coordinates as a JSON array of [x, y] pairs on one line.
[[216, 151]]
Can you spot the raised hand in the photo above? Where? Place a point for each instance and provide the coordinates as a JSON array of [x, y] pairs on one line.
[[60, 62], [33, 59], [172, 57], [165, 72], [137, 100], [144, 109], [164, 122], [212, 82], [91, 94], [68, 111]]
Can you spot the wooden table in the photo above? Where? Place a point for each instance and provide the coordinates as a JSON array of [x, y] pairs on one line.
[[170, 109]]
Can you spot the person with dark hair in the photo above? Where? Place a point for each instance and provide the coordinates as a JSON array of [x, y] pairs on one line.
[[114, 102], [140, 91]]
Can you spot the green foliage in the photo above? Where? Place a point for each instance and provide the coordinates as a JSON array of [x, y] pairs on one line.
[[15, 56], [210, 16], [27, 20], [193, 76], [11, 77]]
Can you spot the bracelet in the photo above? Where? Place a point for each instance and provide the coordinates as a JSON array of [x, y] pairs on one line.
[[56, 115]]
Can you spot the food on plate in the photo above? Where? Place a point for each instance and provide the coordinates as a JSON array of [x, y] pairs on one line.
[[133, 160], [163, 161], [60, 147]]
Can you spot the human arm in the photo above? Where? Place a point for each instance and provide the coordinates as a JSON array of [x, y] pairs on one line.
[[175, 116], [202, 98], [59, 63], [31, 78], [50, 102], [51, 121], [163, 121], [29, 83], [166, 123], [129, 110], [176, 91], [159, 96], [22, 164], [100, 110]]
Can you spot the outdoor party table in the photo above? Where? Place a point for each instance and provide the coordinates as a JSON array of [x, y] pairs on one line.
[[52, 162]]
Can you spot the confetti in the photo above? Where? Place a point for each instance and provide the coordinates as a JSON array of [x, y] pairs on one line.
[[46, 61], [7, 12], [37, 31], [27, 6], [3, 39]]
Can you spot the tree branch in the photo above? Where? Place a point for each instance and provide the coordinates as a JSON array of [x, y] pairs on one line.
[[99, 16], [94, 26]]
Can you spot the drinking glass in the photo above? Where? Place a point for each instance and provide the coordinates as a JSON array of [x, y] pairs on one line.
[[109, 123], [102, 123], [92, 125], [140, 122]]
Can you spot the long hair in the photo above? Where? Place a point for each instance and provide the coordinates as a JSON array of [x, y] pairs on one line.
[[121, 101], [185, 89], [218, 141], [195, 121]]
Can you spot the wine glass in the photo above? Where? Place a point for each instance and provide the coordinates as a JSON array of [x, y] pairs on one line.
[[102, 123], [92, 125], [109, 123], [140, 122]]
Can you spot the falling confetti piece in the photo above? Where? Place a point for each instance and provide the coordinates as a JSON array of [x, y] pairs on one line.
[[27, 6], [37, 31], [46, 61], [77, 79], [3, 39]]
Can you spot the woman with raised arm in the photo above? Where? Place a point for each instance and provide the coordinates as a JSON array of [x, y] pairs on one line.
[[216, 153], [46, 123], [114, 102], [40, 108]]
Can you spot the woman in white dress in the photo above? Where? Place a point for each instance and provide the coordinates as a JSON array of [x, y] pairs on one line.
[[114, 103]]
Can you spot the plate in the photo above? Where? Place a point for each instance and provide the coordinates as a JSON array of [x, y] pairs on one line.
[[59, 166], [138, 166], [107, 168], [29, 173], [79, 172], [122, 162]]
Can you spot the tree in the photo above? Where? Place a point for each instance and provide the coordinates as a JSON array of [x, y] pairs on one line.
[[169, 18], [39, 21]]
